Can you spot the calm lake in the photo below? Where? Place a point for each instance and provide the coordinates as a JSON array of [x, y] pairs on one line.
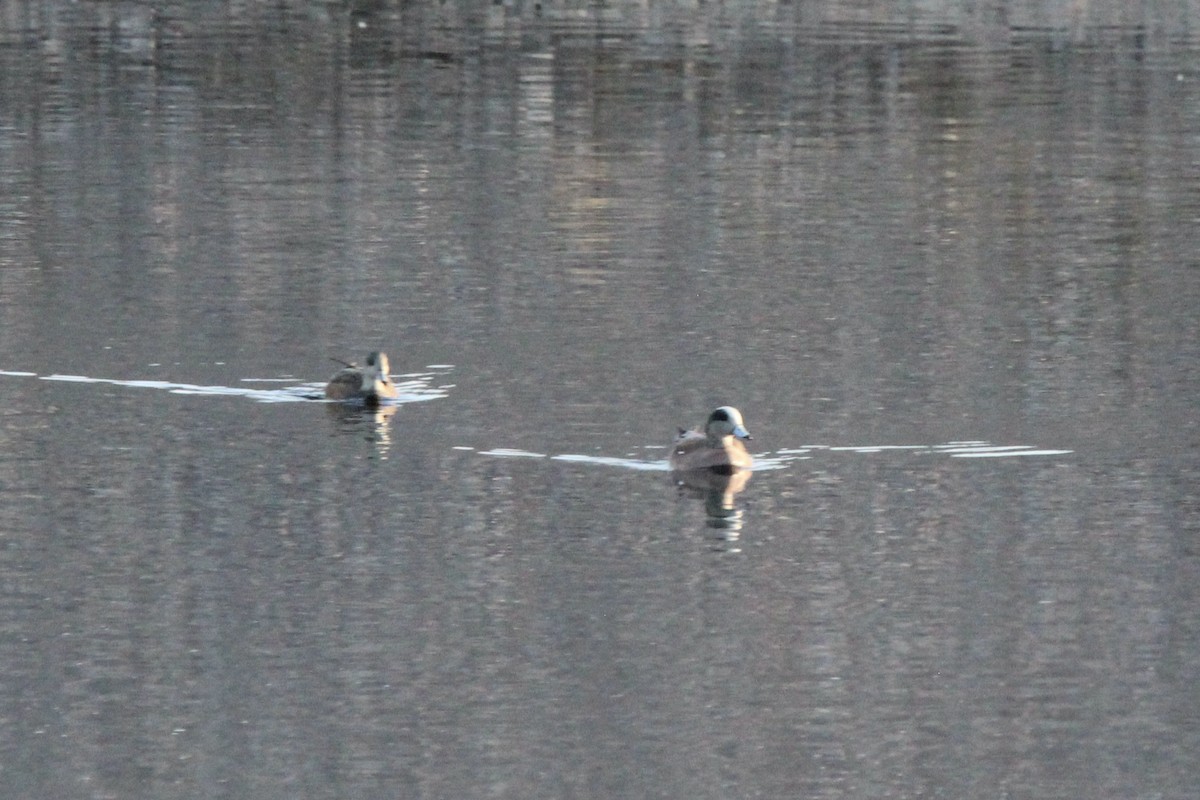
[[950, 276]]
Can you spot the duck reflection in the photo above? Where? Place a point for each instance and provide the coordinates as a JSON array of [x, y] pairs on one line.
[[374, 420], [718, 486]]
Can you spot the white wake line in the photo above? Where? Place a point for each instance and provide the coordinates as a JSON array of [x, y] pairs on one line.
[[762, 463], [1010, 453], [765, 462], [419, 390], [411, 392], [953, 449]]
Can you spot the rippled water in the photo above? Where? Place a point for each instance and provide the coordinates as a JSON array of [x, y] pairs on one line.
[[945, 266]]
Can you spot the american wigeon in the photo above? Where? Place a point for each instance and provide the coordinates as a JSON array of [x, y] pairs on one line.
[[718, 448], [369, 383]]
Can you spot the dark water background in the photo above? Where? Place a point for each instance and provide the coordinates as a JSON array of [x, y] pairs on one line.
[[573, 231]]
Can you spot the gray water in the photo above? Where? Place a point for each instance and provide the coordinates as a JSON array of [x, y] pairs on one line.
[[952, 285]]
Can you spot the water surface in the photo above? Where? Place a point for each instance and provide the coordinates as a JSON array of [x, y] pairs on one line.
[[951, 285]]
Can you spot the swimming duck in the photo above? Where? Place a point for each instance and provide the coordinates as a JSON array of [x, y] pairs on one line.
[[718, 448], [369, 383]]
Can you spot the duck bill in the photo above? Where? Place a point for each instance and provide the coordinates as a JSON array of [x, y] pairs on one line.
[[741, 432]]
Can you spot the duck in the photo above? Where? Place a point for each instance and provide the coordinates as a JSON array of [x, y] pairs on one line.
[[718, 448], [369, 384]]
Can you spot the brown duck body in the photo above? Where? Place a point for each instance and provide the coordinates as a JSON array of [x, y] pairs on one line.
[[720, 446], [370, 383]]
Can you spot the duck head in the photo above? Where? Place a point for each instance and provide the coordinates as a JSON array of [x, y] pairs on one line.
[[726, 421]]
